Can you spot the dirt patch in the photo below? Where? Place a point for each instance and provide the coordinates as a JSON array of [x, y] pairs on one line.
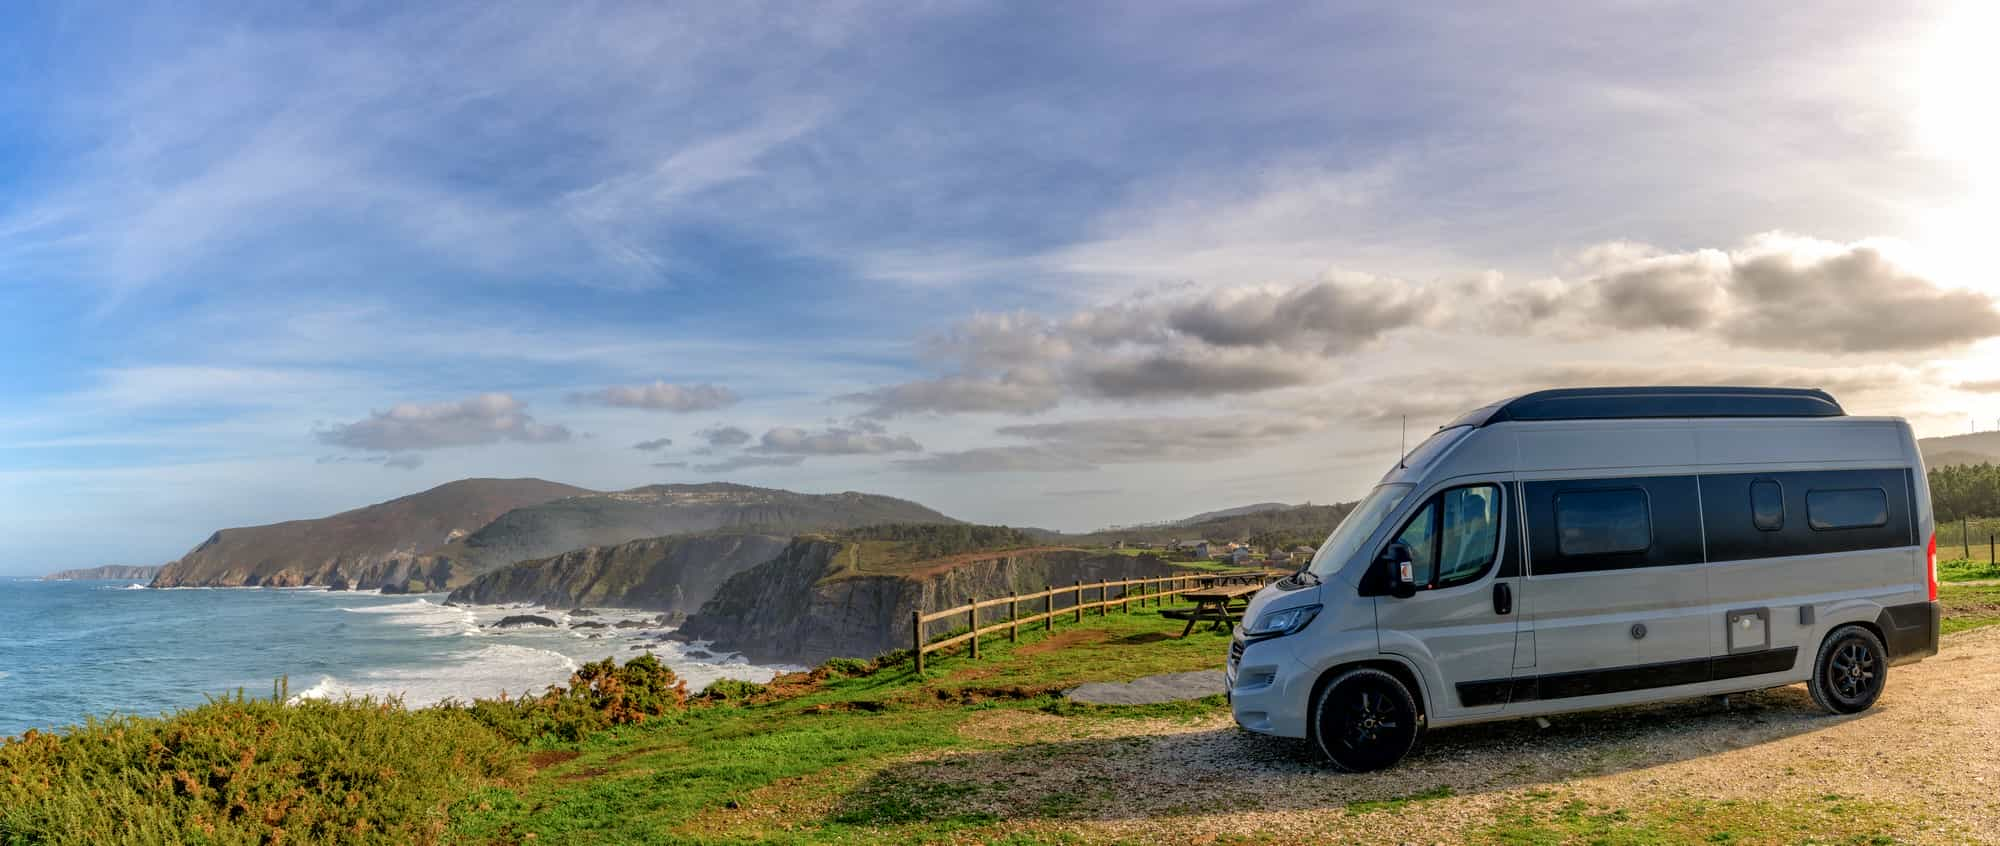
[[1073, 637], [974, 695], [550, 757], [585, 774], [864, 705]]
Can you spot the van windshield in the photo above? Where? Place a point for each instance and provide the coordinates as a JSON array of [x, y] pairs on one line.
[[1355, 529]]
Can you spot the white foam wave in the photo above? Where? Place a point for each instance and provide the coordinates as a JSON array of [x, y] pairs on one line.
[[482, 673], [4, 674], [434, 620], [133, 586]]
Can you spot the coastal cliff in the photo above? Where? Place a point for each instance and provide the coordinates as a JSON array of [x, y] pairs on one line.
[[377, 546], [108, 571], [818, 598], [657, 574]]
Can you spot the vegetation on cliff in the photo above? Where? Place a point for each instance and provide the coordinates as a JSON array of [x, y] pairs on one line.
[[108, 571], [676, 573]]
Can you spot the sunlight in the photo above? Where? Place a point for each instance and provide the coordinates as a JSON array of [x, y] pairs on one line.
[[1956, 120]]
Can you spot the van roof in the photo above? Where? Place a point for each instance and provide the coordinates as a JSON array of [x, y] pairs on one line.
[[1656, 402]]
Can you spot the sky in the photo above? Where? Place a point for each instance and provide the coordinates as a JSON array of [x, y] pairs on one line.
[[1061, 265]]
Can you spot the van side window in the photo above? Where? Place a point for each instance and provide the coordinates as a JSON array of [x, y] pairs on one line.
[[1603, 522], [1455, 537], [1854, 508], [1767, 505]]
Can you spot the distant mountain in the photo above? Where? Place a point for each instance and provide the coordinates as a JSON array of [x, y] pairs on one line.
[[1975, 448], [608, 519], [108, 571], [1238, 511], [379, 545], [1289, 525]]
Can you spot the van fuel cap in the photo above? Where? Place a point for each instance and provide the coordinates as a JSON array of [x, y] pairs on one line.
[[1638, 631]]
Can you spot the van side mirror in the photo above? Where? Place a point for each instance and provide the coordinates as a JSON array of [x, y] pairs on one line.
[[1402, 570]]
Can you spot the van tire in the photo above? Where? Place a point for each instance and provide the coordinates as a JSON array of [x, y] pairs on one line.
[[1849, 672], [1365, 720]]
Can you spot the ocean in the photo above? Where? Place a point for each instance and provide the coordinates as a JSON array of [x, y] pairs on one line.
[[89, 648]]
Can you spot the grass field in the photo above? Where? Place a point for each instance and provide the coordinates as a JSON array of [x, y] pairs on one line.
[[980, 751]]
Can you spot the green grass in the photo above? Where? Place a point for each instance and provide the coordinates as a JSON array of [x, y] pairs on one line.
[[1542, 818], [1967, 570], [1399, 803], [1969, 606]]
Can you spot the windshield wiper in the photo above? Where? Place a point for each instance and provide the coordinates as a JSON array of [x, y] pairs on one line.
[[1300, 577]]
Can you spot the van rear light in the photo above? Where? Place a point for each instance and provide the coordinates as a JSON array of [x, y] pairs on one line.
[[1932, 555]]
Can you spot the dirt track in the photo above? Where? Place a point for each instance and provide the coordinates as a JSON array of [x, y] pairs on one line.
[[1922, 766]]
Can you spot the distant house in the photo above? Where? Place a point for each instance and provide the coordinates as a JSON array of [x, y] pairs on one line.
[[1240, 555], [1199, 549], [1302, 553]]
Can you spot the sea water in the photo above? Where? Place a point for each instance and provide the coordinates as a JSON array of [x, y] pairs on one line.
[[88, 648]]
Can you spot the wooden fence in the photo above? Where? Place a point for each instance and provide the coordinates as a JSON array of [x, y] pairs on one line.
[[1157, 590]]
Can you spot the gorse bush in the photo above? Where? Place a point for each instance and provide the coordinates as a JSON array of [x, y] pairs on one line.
[[239, 771], [937, 540], [731, 690], [599, 695], [840, 668]]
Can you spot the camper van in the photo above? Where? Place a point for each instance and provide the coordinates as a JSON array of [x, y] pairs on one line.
[[1591, 548]]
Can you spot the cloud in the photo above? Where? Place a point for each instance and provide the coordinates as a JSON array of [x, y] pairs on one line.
[[1777, 292], [660, 396], [833, 440], [484, 419], [723, 436], [405, 461], [1019, 391], [654, 444], [670, 464], [1980, 386], [1133, 440], [399, 461], [747, 462], [1007, 459], [1198, 371]]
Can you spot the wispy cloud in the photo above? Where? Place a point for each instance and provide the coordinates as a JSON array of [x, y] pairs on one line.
[[484, 419], [660, 396]]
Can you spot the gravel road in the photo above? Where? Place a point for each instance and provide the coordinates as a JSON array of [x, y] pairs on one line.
[[1922, 766]]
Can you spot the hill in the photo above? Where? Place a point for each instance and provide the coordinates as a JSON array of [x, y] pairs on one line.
[[1289, 525], [608, 519], [108, 571], [1238, 511], [675, 573], [367, 547], [1974, 448]]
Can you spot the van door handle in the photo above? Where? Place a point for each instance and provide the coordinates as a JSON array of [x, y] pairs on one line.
[[1503, 598]]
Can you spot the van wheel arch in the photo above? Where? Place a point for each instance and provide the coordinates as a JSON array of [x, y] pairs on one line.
[[1402, 671]]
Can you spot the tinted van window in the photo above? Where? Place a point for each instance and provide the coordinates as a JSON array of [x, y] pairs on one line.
[[1767, 505], [1855, 508], [1605, 522]]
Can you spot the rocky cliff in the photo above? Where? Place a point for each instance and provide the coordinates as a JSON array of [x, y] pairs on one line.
[[108, 571], [380, 545], [815, 600], [657, 574], [609, 519]]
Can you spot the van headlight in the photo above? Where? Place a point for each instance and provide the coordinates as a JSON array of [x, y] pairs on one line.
[[1282, 622]]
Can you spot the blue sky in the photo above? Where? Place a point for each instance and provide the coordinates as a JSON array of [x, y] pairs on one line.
[[1064, 265]]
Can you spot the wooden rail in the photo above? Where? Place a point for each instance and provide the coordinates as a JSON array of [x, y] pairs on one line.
[[1158, 590]]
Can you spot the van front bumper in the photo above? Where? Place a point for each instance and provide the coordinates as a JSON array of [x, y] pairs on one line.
[[1262, 678]]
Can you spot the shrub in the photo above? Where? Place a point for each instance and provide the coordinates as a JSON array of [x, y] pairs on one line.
[[731, 690], [599, 695], [836, 668], [250, 771]]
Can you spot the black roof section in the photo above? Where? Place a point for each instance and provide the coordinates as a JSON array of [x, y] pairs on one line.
[[1668, 402]]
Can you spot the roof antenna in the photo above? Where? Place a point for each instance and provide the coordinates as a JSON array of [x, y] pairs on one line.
[[1404, 450]]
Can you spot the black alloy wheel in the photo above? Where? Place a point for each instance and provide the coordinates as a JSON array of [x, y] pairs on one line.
[[1850, 671], [1365, 720]]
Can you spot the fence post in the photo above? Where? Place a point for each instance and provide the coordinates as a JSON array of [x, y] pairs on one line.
[[1989, 547], [1103, 597], [1013, 616], [1049, 610], [1125, 593], [1079, 600], [972, 615], [1965, 534], [917, 638]]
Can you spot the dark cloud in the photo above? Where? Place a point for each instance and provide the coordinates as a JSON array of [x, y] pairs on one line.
[[1007, 459], [670, 464], [484, 419], [747, 462], [654, 444], [661, 396], [1331, 316], [404, 461], [1813, 296], [833, 440], [1198, 371], [399, 461], [723, 436]]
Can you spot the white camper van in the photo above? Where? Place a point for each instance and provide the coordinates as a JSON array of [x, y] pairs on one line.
[[1588, 548]]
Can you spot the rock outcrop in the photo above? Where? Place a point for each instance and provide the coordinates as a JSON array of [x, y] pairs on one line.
[[812, 602], [676, 573], [108, 571], [378, 546]]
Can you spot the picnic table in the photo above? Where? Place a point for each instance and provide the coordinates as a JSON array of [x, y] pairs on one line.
[[1212, 604]]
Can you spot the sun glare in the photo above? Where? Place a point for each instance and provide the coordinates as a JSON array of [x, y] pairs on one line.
[[1957, 120]]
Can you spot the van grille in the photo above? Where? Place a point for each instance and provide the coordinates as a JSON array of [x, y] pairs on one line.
[[1235, 652]]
